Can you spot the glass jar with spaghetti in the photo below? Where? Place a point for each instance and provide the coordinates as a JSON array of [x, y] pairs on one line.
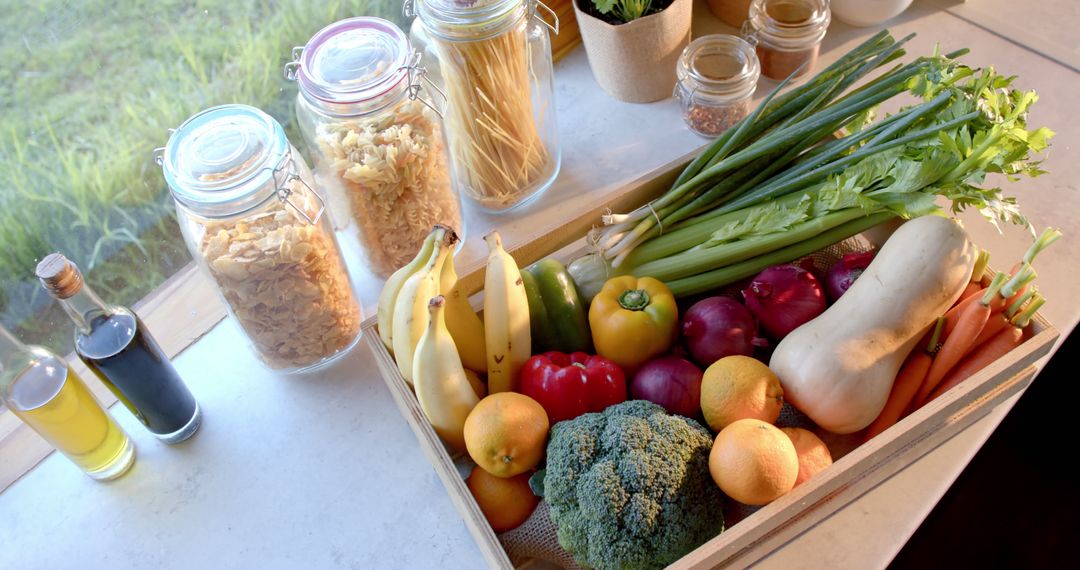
[[787, 34], [717, 76], [496, 65], [374, 128], [249, 211]]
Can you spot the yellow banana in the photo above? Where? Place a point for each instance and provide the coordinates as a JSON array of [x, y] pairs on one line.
[[445, 394], [506, 318], [393, 285], [462, 321], [410, 308]]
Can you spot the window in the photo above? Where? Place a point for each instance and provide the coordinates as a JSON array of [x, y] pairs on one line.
[[87, 90]]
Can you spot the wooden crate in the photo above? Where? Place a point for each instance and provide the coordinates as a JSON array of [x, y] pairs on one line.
[[766, 530]]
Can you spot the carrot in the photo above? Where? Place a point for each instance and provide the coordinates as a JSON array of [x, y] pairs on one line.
[[969, 324], [1018, 304], [977, 271], [1005, 340], [998, 301], [972, 288], [994, 325], [1049, 236], [953, 314], [983, 355], [907, 382], [1020, 292]]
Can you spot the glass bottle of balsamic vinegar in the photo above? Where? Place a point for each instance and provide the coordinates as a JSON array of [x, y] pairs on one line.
[[115, 344]]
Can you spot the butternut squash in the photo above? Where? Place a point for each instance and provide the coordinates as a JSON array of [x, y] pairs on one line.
[[838, 369]]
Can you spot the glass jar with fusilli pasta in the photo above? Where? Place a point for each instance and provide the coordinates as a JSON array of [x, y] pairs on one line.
[[373, 126]]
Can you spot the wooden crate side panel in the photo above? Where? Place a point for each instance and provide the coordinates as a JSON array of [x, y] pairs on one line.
[[436, 454], [954, 410], [742, 546]]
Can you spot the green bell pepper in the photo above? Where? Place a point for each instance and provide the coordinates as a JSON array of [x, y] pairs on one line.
[[557, 315]]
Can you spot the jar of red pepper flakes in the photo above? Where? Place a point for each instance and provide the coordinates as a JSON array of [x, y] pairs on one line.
[[717, 76], [787, 34]]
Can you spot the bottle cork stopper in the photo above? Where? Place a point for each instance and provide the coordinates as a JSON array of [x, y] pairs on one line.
[[60, 277]]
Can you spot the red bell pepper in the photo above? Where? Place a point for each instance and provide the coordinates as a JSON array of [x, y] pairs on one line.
[[568, 385]]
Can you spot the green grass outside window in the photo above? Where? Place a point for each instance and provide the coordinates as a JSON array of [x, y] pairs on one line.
[[87, 90]]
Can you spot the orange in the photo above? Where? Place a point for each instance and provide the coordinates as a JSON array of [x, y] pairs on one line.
[[753, 462], [739, 387], [813, 453], [505, 433], [506, 502]]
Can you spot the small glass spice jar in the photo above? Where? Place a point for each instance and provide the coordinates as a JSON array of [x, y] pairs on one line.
[[253, 220], [373, 124], [717, 76], [787, 34]]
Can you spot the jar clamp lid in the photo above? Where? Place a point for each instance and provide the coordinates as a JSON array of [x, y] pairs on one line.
[[348, 67], [230, 159]]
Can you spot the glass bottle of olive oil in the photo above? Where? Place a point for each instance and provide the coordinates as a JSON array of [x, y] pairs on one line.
[[42, 390]]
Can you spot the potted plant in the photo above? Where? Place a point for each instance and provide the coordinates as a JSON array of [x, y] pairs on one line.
[[633, 45]]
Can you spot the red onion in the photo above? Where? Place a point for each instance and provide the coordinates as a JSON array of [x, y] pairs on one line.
[[672, 382], [717, 327], [843, 273], [783, 297]]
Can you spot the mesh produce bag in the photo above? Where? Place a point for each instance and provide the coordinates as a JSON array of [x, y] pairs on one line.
[[537, 538]]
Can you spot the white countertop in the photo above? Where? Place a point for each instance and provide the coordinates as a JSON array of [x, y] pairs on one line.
[[320, 471]]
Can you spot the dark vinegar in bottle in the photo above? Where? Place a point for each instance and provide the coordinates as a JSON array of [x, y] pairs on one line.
[[134, 367]]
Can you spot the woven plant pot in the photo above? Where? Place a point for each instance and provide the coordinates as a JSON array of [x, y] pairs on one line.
[[635, 62]]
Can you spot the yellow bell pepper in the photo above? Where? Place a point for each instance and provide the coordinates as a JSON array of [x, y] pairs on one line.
[[633, 320]]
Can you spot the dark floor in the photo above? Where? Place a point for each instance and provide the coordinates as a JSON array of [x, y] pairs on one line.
[[1017, 504]]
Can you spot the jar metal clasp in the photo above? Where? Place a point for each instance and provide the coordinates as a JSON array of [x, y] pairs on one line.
[[408, 9], [535, 7], [159, 152], [677, 92], [749, 33], [417, 79], [284, 175], [292, 68]]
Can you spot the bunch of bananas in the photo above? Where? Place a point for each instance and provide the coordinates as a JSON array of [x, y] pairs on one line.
[[438, 341]]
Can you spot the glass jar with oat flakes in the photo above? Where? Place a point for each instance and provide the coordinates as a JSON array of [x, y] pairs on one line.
[[254, 222], [373, 125]]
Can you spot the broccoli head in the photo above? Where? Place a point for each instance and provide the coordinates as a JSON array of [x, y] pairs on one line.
[[630, 488]]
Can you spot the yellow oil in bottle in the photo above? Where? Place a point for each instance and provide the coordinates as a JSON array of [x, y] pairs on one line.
[[55, 402]]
